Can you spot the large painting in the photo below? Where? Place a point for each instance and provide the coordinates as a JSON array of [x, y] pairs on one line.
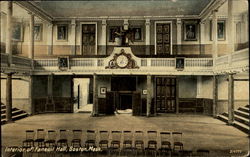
[[221, 30], [190, 30], [112, 32], [137, 34], [17, 32], [38, 32], [62, 32]]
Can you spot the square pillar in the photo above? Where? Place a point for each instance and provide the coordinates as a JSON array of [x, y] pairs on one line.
[[202, 37], [147, 37], [73, 37], [215, 95], [178, 39], [149, 94], [9, 97], [177, 95], [103, 42], [230, 26], [215, 34], [199, 86], [230, 99], [31, 42], [95, 96], [31, 87], [50, 38], [9, 32]]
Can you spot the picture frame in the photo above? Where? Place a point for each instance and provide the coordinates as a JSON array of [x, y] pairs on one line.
[[137, 33], [112, 30], [179, 63], [190, 30], [62, 32], [103, 90], [144, 92], [17, 32], [38, 30], [221, 30], [63, 63]]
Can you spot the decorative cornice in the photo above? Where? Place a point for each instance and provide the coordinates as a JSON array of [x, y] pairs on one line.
[[30, 7]]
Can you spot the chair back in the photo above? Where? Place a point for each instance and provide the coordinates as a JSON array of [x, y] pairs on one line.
[[116, 135], [91, 135], [152, 135], [139, 136], [51, 135], [177, 136], [63, 134], [127, 136], [165, 136], [30, 134], [40, 134], [104, 135], [77, 134]]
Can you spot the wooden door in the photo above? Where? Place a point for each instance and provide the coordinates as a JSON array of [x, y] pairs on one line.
[[163, 38], [136, 103], [110, 102], [88, 39], [165, 94]]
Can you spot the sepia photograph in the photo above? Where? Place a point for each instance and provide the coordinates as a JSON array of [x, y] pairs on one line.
[[122, 78]]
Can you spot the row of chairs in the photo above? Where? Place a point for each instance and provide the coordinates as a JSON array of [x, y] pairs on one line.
[[131, 140]]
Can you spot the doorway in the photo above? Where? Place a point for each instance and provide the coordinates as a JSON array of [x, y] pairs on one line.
[[89, 38], [163, 38], [82, 93]]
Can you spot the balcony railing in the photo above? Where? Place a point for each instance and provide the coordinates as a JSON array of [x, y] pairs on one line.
[[16, 60]]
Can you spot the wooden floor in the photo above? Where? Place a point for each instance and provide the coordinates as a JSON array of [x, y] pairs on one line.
[[199, 132]]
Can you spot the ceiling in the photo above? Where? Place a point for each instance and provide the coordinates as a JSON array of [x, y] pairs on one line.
[[93, 8]]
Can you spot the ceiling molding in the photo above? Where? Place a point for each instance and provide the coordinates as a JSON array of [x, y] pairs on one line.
[[31, 7], [213, 5]]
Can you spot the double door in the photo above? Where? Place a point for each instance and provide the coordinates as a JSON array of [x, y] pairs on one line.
[[88, 39], [163, 38], [165, 94]]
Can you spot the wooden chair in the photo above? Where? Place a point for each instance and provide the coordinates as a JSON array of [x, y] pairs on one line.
[[76, 141], [139, 142], [29, 140], [104, 141], [127, 142], [152, 142], [115, 142], [177, 139], [165, 143], [62, 138], [51, 140], [40, 138], [91, 139]]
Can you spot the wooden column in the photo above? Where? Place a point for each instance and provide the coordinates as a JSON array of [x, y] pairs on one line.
[[231, 30], [31, 42], [149, 94], [215, 34], [50, 38], [202, 37], [147, 37], [215, 95], [230, 99], [177, 95], [95, 96], [9, 32], [73, 37], [178, 25], [103, 43], [199, 86], [9, 97]]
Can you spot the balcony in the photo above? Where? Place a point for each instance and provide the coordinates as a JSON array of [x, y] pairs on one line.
[[235, 62]]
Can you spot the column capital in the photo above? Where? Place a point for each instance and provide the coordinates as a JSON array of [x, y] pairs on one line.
[[50, 25], [104, 22], [215, 11], [178, 21], [73, 22], [147, 22], [31, 14]]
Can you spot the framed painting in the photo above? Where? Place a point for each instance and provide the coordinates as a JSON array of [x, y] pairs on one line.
[[221, 30], [38, 30], [190, 31], [137, 33], [63, 63], [103, 90], [17, 32], [179, 63], [62, 32], [112, 32]]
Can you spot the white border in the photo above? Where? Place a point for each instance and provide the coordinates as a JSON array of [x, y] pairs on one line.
[[81, 23], [171, 33]]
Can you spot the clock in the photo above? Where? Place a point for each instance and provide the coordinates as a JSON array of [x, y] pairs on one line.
[[122, 61]]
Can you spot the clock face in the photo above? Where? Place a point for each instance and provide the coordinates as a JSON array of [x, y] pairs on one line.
[[122, 61]]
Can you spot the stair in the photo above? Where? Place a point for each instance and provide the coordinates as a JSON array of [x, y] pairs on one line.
[[16, 114], [241, 118]]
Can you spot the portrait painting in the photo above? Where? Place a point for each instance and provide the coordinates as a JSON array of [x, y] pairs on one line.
[[179, 63], [62, 32], [190, 31], [38, 32], [63, 63], [221, 30], [17, 32], [113, 30], [137, 34]]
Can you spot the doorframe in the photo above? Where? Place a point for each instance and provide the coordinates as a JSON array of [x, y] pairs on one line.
[[88, 23], [171, 32]]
